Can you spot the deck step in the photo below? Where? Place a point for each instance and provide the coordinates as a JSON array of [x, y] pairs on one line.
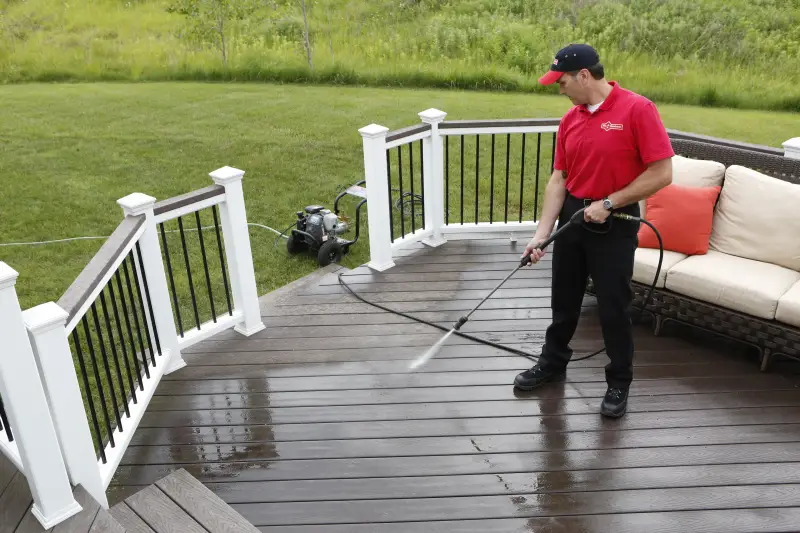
[[178, 502]]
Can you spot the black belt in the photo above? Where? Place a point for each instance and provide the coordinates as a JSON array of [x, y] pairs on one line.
[[630, 209]]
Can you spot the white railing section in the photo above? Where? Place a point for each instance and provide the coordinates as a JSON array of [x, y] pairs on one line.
[[377, 143], [34, 450], [51, 419]]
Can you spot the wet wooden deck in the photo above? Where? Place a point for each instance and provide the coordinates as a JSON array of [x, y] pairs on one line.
[[316, 425]]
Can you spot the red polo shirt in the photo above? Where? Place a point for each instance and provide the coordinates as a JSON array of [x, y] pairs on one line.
[[604, 151]]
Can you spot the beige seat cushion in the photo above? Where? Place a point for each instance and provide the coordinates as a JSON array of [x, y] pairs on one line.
[[757, 218], [693, 173], [646, 261], [789, 306], [733, 282]]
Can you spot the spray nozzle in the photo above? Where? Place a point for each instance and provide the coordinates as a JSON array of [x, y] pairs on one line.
[[461, 322]]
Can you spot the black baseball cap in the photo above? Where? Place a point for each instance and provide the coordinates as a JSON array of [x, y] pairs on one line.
[[570, 58]]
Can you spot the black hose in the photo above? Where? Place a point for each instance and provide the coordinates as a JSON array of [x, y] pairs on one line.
[[455, 329]]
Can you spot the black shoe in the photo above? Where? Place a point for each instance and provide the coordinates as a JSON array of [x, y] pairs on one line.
[[615, 402], [530, 379]]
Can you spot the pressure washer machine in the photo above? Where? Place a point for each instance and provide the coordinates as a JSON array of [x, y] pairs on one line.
[[319, 231]]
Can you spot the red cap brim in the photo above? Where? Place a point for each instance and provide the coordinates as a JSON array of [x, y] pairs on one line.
[[551, 77]]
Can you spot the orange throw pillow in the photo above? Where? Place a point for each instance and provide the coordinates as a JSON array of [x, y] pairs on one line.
[[683, 216]]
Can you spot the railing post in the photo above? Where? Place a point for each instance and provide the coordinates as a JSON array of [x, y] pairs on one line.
[[377, 178], [46, 329], [29, 415], [237, 250], [141, 204], [791, 148], [433, 161]]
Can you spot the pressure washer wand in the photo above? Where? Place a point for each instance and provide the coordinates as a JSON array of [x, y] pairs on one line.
[[523, 262]]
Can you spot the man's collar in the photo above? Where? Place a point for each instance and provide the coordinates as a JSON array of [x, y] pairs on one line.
[[608, 103]]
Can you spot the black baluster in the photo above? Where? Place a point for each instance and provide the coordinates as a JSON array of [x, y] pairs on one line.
[[389, 186], [205, 266], [130, 333], [422, 181], [149, 301], [103, 353], [88, 390], [189, 272], [553, 154], [171, 278], [477, 180], [447, 179], [462, 180], [142, 352], [97, 382], [536, 184], [522, 178], [113, 345], [4, 425], [508, 152], [138, 287], [402, 203], [491, 186], [411, 175], [222, 260]]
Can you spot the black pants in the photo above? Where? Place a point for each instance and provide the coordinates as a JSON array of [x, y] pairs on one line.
[[608, 257]]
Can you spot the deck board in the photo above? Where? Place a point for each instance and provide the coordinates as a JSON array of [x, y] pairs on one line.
[[316, 424]]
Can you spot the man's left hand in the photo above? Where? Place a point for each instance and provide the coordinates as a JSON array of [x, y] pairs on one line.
[[596, 212]]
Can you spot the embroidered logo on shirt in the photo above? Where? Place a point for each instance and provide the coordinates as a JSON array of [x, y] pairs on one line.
[[609, 126]]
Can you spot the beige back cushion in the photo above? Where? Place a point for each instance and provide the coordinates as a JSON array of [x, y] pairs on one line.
[[693, 173], [757, 218]]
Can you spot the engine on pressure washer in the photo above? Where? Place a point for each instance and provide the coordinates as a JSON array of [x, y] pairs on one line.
[[320, 223]]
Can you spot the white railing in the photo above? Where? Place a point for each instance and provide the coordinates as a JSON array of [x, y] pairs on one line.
[[117, 323], [442, 185]]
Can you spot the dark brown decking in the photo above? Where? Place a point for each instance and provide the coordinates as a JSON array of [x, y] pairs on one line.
[[316, 425]]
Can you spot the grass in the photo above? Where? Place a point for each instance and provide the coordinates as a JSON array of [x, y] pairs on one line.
[[702, 52], [69, 151]]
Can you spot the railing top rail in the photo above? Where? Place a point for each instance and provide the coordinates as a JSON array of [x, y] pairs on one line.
[[677, 134], [177, 202], [96, 271], [499, 123], [408, 131]]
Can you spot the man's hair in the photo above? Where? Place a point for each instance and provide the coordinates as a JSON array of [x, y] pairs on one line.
[[597, 71]]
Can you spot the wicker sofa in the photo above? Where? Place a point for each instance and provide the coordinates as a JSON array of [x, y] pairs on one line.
[[747, 286]]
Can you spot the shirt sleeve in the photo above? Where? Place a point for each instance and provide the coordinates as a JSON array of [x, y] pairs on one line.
[[652, 139]]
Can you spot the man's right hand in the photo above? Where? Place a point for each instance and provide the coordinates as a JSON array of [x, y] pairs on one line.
[[533, 250]]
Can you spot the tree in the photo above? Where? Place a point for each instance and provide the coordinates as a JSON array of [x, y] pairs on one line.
[[306, 41], [212, 21]]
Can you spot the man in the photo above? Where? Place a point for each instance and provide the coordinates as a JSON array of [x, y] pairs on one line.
[[612, 151]]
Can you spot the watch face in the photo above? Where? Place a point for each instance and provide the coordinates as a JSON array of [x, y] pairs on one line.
[[607, 204]]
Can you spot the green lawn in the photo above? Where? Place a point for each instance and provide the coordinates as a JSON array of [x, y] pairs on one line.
[[70, 151]]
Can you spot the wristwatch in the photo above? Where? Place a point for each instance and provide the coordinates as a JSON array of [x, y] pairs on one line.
[[608, 204]]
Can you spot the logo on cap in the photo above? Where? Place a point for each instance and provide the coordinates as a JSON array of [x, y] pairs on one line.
[[609, 126]]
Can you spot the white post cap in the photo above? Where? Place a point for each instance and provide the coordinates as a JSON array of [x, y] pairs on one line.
[[373, 131], [136, 203], [44, 317], [432, 116], [8, 276], [791, 148], [225, 175]]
